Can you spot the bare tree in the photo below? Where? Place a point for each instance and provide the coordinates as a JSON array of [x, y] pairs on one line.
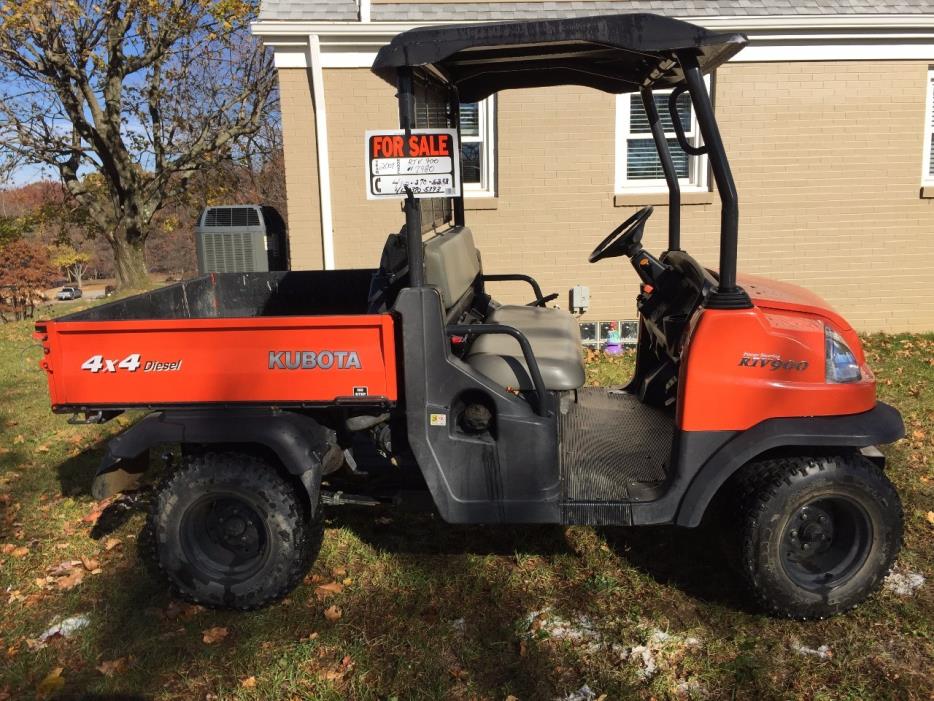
[[141, 94]]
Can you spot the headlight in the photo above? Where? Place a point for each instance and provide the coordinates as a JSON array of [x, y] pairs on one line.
[[841, 363]]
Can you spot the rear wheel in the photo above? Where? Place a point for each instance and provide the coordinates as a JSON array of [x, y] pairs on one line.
[[228, 531], [818, 534]]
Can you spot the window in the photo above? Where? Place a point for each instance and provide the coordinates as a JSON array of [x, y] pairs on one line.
[[478, 120], [637, 164], [927, 171]]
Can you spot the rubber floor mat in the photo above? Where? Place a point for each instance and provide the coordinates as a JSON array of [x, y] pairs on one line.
[[608, 439]]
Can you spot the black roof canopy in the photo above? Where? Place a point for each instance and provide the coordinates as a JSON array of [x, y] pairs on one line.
[[613, 53]]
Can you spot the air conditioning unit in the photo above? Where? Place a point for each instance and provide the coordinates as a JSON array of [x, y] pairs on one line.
[[241, 239]]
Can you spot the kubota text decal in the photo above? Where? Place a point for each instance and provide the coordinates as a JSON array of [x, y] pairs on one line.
[[309, 360]]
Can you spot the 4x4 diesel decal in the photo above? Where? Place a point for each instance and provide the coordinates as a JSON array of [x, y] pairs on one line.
[[309, 360], [131, 363], [772, 361]]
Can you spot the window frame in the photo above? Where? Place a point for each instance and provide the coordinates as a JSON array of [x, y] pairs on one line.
[[486, 120], [698, 179], [927, 172]]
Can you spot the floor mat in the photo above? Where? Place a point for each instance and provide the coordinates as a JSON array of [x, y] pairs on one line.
[[609, 439]]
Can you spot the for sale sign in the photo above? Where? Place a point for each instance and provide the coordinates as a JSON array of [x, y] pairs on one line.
[[426, 161]]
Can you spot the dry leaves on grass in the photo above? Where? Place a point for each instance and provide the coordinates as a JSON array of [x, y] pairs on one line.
[[182, 610], [110, 668], [21, 551], [326, 590], [111, 543], [930, 517], [333, 613], [91, 565], [51, 684], [248, 683], [338, 671], [70, 580], [214, 635]]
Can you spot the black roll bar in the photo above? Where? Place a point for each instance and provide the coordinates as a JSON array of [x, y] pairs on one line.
[[413, 215], [728, 294], [454, 107], [668, 167], [541, 404]]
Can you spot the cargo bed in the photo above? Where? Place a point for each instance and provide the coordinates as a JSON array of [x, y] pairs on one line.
[[245, 339]]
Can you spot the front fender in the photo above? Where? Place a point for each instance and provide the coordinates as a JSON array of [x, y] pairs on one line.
[[881, 424], [303, 446]]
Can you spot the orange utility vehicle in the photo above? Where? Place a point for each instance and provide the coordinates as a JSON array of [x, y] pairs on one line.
[[751, 399]]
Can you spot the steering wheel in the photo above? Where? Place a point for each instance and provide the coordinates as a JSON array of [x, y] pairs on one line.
[[624, 239]]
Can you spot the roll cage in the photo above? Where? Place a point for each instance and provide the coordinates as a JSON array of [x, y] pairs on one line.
[[613, 53]]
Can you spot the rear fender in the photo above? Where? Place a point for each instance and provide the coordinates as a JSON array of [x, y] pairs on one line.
[[305, 448]]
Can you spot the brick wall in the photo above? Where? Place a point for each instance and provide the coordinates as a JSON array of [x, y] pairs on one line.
[[826, 157], [301, 169]]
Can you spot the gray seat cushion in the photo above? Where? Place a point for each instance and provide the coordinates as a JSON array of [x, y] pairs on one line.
[[500, 358], [538, 321]]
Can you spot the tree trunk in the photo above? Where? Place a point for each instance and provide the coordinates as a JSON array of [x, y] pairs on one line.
[[129, 261]]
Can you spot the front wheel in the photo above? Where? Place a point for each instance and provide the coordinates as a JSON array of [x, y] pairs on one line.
[[818, 534], [228, 531]]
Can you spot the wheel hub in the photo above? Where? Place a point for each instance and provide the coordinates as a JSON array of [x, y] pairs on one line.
[[226, 535], [825, 542]]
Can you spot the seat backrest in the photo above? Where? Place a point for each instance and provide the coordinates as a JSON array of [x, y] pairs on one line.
[[452, 264]]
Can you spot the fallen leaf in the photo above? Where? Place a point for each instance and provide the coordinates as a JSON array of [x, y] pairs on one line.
[[42, 449], [930, 517], [347, 582], [339, 571], [326, 590], [333, 613], [97, 510], [182, 609], [7, 548], [523, 648], [63, 568], [248, 683], [313, 579], [70, 581], [111, 543], [53, 682], [214, 635], [309, 637], [21, 551], [110, 668], [90, 564], [512, 698], [19, 439]]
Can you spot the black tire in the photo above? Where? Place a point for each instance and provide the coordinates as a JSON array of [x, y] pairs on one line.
[[228, 531], [818, 534]]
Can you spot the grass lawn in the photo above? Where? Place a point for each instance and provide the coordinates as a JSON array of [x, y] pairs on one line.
[[429, 610]]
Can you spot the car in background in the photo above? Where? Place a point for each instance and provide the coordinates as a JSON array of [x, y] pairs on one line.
[[69, 293]]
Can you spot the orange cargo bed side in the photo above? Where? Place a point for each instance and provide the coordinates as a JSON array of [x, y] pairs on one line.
[[179, 362]]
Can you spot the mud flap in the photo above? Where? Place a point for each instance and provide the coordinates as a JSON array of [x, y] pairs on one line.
[[117, 475]]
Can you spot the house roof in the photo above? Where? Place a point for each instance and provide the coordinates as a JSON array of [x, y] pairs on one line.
[[613, 53], [346, 10]]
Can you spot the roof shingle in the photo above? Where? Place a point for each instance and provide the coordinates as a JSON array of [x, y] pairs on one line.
[[346, 10]]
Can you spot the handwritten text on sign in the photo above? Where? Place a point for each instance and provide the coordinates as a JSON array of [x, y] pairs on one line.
[[426, 161]]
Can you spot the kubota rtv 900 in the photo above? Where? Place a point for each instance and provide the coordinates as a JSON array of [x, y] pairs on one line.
[[748, 394]]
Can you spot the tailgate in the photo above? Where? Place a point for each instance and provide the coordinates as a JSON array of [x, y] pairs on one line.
[[180, 362]]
